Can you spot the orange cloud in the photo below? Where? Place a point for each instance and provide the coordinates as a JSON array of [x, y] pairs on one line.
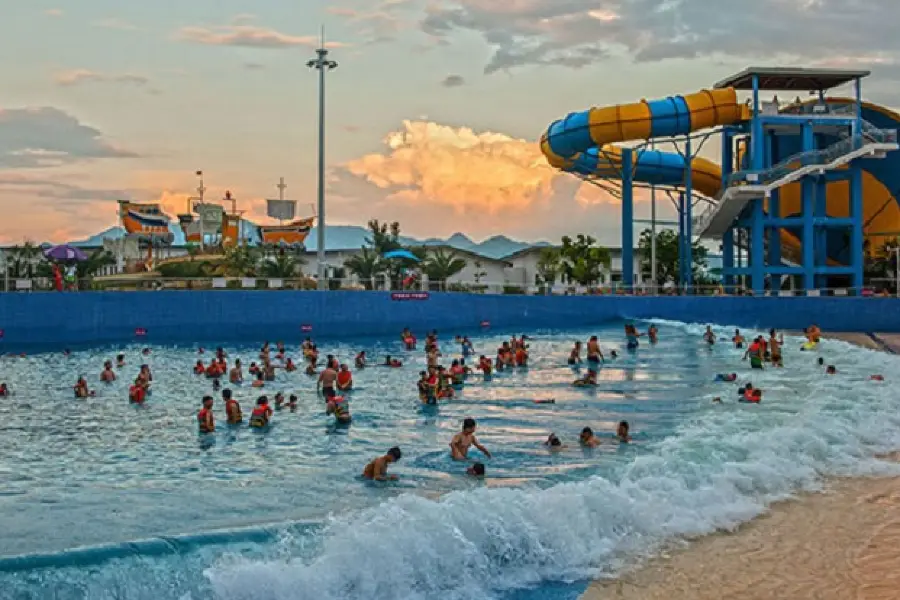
[[427, 163], [248, 36]]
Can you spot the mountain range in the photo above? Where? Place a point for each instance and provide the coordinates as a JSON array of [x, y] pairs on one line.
[[352, 237]]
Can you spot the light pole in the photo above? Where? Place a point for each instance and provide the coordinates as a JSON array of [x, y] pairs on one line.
[[322, 64]]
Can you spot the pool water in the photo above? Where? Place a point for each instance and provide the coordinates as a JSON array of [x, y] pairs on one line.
[[284, 514]]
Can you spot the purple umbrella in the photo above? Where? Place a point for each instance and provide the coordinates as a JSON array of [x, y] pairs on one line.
[[65, 252]]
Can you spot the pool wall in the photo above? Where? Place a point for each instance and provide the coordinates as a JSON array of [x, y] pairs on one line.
[[29, 320]]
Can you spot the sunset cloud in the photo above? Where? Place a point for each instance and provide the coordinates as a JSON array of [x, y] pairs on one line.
[[81, 76], [430, 164], [249, 36]]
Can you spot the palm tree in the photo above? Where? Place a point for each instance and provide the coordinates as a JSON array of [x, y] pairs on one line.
[[283, 265], [366, 265], [240, 261], [86, 269], [441, 265], [23, 260]]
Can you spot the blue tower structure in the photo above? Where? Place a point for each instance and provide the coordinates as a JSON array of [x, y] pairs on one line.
[[777, 214]]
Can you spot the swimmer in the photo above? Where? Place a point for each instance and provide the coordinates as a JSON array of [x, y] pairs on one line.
[[831, 370], [268, 370], [259, 381], [205, 419], [485, 366], [457, 373], [738, 339], [232, 408], [653, 334], [871, 378], [594, 354], [709, 336], [310, 369], [461, 442], [632, 335], [726, 377], [289, 365], [146, 351], [756, 353], [137, 393], [4, 391], [575, 354], [327, 379], [521, 356], [717, 400], [338, 406], [254, 369], [331, 362], [622, 432], [588, 439], [120, 360], [389, 361], [432, 357], [426, 388], [81, 388], [377, 469], [545, 401], [813, 333], [199, 368], [589, 379], [360, 360], [345, 379], [475, 470], [107, 375], [467, 348], [236, 375], [775, 344], [750, 394], [292, 403], [554, 444], [261, 415], [216, 385], [820, 361], [279, 400]]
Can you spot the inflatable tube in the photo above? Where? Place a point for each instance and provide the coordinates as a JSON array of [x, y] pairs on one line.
[[809, 346]]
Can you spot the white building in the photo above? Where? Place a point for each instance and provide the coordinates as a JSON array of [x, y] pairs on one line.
[[523, 271]]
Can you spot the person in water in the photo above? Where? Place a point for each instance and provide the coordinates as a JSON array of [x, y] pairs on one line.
[[485, 366], [326, 382], [339, 407], [107, 375], [726, 377], [632, 335], [344, 379], [232, 408], [756, 353], [475, 470], [738, 339], [390, 361], [750, 394], [205, 419], [775, 344], [289, 365], [360, 360], [575, 354], [588, 439], [120, 361], [465, 439], [594, 355], [590, 378], [831, 370], [260, 380], [199, 367], [521, 356], [458, 373], [376, 470], [236, 375], [622, 432], [426, 389], [554, 444], [709, 336], [261, 415], [81, 388], [653, 334], [4, 390]]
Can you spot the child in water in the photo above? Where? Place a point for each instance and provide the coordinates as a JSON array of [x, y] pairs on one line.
[[261, 415], [376, 470]]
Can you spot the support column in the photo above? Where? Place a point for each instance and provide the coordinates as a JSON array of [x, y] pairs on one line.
[[728, 259], [688, 233], [857, 89], [774, 212], [856, 231], [727, 155], [757, 247], [681, 258], [627, 220], [808, 191], [821, 233]]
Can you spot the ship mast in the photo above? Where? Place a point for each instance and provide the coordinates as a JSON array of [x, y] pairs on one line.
[[281, 187]]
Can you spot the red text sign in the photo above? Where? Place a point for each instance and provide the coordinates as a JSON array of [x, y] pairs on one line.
[[140, 332], [409, 296]]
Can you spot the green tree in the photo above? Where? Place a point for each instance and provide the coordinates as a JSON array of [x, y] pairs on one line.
[[24, 261], [383, 238], [881, 264], [366, 265], [240, 261], [581, 261], [283, 265], [441, 265], [548, 266], [667, 263]]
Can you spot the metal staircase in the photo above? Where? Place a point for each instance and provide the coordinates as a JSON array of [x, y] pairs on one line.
[[744, 186]]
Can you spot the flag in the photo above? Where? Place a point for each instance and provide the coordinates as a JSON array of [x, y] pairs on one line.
[[283, 210]]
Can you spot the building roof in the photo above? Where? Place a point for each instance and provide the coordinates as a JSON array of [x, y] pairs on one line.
[[790, 78]]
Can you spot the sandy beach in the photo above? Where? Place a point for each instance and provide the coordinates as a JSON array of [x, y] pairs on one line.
[[842, 544]]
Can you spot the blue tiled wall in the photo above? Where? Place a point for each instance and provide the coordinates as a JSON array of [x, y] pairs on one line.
[[72, 319]]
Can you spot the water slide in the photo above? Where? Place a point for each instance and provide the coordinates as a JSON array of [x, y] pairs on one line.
[[583, 143]]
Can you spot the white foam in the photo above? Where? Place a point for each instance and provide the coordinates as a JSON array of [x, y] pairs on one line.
[[720, 468]]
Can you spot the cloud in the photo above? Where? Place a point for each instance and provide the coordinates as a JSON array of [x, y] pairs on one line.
[[54, 12], [576, 33], [480, 174], [248, 36], [47, 137], [82, 76], [115, 23], [378, 23], [453, 81]]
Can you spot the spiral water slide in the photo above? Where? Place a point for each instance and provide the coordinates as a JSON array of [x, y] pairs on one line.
[[584, 142]]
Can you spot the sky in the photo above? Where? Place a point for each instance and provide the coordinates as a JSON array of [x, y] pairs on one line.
[[433, 114]]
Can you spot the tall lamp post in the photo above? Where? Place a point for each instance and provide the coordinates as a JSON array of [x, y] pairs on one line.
[[322, 64]]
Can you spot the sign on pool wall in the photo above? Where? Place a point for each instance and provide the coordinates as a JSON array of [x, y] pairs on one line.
[[140, 332], [409, 296], [306, 328]]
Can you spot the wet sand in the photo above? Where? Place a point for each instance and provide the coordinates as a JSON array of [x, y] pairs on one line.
[[842, 544]]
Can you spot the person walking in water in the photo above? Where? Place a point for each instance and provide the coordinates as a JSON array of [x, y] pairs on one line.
[[462, 441]]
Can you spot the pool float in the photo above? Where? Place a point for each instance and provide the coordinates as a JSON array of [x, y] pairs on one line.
[[809, 346]]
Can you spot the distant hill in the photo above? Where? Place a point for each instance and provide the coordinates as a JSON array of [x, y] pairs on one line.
[[350, 237]]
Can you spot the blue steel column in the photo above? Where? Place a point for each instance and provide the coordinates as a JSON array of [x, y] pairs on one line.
[[808, 190], [856, 233], [688, 232], [820, 232], [857, 88], [774, 233], [681, 259], [728, 236], [627, 219], [728, 258], [757, 229]]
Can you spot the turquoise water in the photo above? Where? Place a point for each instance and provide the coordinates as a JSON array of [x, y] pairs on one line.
[[284, 515]]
